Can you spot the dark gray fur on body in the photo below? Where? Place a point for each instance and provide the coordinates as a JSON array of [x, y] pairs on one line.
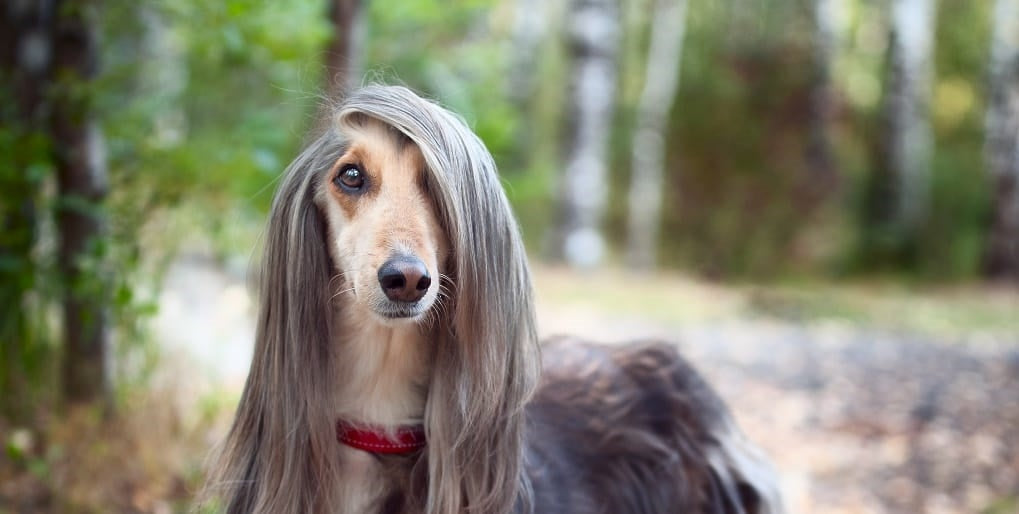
[[632, 429]]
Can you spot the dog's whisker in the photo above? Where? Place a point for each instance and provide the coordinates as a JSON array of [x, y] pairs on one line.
[[439, 308], [431, 317], [338, 276], [338, 293]]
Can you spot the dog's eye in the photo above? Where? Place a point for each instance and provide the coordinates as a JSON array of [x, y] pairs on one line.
[[350, 178]]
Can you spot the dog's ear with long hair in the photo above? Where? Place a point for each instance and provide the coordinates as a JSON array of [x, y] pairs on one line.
[[486, 362], [279, 454]]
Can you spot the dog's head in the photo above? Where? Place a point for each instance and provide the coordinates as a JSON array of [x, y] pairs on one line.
[[384, 236]]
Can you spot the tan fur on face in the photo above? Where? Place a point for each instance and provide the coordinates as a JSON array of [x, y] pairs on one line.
[[382, 366], [392, 215]]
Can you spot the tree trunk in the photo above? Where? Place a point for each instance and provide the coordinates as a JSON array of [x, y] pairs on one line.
[[907, 109], [24, 59], [344, 51], [661, 80], [529, 27], [897, 195], [80, 159], [823, 178], [593, 40], [1002, 149]]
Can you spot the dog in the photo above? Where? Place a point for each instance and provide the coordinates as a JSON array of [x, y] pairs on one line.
[[397, 368]]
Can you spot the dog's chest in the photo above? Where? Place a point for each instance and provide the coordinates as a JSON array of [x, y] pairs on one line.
[[363, 484], [368, 485]]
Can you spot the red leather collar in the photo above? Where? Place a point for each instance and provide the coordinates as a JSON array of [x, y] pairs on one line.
[[408, 439]]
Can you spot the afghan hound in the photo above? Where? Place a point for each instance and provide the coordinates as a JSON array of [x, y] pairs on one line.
[[396, 365]]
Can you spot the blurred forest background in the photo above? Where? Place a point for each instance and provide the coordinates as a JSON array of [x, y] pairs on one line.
[[797, 160]]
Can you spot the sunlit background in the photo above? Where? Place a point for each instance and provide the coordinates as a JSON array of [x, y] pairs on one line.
[[817, 199]]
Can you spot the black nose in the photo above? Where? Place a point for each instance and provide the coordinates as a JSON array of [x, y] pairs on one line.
[[404, 278]]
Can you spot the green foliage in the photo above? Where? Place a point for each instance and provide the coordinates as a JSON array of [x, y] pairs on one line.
[[241, 88], [953, 244], [200, 119], [26, 347], [449, 52], [737, 159]]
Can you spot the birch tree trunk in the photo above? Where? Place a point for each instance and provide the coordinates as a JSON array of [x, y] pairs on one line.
[[907, 108], [661, 80], [829, 25], [343, 55], [80, 158], [529, 27], [1002, 147], [593, 39]]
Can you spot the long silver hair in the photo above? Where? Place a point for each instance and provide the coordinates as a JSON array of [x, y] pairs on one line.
[[280, 455]]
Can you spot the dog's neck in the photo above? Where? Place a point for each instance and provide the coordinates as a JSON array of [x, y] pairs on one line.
[[383, 369]]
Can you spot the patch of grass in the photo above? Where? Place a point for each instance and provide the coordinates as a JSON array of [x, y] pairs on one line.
[[673, 298], [660, 297], [948, 313], [1003, 506]]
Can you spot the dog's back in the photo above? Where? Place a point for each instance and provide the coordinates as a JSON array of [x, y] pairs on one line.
[[634, 429]]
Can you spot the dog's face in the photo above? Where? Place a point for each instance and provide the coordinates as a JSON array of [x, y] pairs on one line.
[[384, 236]]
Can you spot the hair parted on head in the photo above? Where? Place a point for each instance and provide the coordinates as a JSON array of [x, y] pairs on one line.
[[279, 455]]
